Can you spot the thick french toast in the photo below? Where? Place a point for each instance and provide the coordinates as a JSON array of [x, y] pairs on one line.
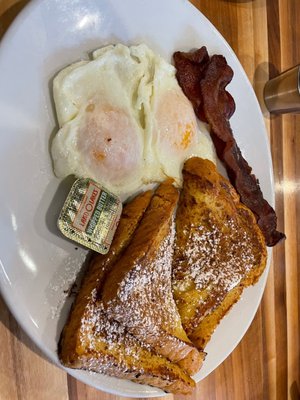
[[137, 291], [90, 341], [219, 250], [106, 347], [72, 333]]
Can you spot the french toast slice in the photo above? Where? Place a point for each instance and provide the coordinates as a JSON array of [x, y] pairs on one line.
[[137, 291], [106, 347], [72, 333], [219, 250], [90, 341]]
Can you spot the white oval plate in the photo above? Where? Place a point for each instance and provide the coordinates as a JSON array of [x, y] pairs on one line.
[[36, 264]]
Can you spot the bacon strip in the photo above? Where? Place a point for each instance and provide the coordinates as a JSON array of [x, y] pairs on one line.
[[203, 80]]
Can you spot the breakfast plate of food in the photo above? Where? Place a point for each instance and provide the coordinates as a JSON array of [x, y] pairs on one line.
[[141, 116]]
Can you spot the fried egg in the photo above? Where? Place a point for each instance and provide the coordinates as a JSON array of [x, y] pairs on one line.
[[124, 121], [173, 132]]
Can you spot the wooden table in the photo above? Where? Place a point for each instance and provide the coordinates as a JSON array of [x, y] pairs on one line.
[[265, 34]]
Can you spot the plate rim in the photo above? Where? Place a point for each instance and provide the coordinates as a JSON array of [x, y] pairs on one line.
[[5, 292]]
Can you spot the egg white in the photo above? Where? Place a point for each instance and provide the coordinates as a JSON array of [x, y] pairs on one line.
[[173, 133], [124, 121], [100, 136]]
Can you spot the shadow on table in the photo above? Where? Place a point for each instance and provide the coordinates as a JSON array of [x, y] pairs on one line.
[[264, 71], [10, 14], [294, 391], [8, 320]]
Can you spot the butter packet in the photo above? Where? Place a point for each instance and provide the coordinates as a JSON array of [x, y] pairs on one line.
[[90, 215]]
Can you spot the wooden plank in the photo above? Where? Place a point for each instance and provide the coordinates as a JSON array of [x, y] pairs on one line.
[[291, 129], [24, 372], [289, 13], [9, 9]]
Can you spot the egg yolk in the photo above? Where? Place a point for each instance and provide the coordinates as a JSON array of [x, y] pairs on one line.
[[187, 135], [176, 122], [109, 142]]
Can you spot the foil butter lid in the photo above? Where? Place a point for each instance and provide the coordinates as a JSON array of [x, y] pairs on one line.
[[90, 215]]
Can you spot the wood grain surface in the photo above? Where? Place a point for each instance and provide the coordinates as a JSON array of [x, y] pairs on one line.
[[265, 34]]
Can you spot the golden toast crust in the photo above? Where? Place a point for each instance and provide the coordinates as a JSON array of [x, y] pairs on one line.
[[124, 321], [99, 265], [90, 341], [137, 291], [219, 249]]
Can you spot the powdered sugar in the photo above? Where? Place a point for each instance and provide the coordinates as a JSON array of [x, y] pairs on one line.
[[106, 337], [145, 289], [63, 281], [214, 260]]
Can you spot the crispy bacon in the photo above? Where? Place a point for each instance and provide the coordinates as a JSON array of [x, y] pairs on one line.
[[203, 80]]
